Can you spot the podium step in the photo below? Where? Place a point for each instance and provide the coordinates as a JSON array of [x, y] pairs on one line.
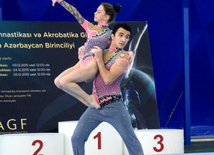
[[105, 140], [32, 144]]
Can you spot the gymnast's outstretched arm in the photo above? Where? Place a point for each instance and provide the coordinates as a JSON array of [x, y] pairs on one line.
[[71, 9]]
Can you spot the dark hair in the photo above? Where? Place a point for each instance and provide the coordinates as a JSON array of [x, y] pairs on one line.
[[121, 25], [111, 10]]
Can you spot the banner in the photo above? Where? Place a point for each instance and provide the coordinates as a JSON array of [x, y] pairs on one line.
[[33, 54]]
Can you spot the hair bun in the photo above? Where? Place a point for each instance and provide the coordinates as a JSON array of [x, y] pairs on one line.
[[117, 8]]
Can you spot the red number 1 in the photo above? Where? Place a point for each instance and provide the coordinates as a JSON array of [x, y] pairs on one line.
[[99, 140]]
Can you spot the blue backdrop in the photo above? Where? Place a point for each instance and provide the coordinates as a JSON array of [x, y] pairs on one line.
[[165, 22]]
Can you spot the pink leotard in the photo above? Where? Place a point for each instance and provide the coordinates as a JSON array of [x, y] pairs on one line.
[[94, 39], [106, 94]]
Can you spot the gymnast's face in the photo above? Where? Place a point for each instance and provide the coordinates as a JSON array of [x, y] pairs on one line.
[[100, 15], [121, 38]]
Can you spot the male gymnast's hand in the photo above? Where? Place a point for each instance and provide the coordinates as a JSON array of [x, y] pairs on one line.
[[131, 56], [98, 52]]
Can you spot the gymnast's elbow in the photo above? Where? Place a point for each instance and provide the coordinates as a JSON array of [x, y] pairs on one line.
[[108, 81]]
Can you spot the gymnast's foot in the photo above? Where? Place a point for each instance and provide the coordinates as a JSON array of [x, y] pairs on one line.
[[86, 103], [93, 103]]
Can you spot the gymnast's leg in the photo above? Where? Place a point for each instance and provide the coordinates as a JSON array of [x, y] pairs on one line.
[[90, 119], [64, 73], [82, 74], [122, 123]]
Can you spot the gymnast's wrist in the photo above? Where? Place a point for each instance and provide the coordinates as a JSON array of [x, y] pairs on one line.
[[99, 60], [59, 1]]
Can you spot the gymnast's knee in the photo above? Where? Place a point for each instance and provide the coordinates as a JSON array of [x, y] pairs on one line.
[[57, 83], [75, 139], [64, 83]]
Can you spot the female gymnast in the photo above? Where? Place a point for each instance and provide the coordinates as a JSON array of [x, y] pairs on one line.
[[86, 68]]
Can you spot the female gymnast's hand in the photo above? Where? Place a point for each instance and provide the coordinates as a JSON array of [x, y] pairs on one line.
[[53, 2]]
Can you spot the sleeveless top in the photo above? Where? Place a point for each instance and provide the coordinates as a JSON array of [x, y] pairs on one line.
[[106, 94], [94, 39]]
